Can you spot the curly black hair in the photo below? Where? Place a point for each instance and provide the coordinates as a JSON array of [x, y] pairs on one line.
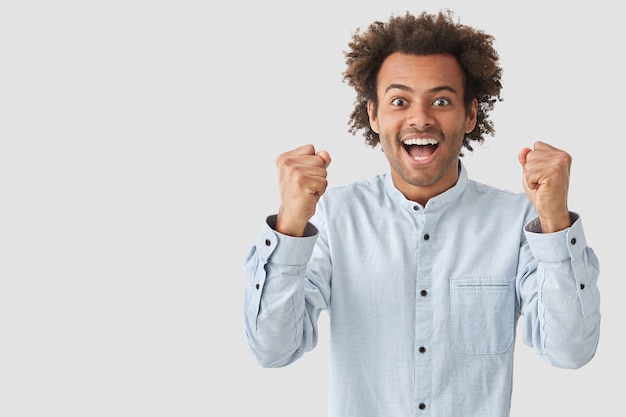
[[425, 34]]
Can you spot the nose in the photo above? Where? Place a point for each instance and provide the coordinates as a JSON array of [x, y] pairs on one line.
[[420, 115]]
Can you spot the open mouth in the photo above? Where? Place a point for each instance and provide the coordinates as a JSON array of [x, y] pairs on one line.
[[420, 149]]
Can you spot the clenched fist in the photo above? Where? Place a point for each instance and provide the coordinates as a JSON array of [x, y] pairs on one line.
[[546, 172], [302, 181]]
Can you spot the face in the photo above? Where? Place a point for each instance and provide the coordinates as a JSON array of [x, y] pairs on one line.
[[421, 121]]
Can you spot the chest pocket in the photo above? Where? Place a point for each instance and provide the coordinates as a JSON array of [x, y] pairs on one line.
[[482, 311]]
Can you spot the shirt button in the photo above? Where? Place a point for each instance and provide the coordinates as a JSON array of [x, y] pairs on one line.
[[426, 236], [422, 406], [573, 241], [257, 286], [416, 207], [268, 242], [582, 286], [423, 293], [422, 349]]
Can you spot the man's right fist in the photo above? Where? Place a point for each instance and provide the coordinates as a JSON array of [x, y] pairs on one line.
[[302, 181]]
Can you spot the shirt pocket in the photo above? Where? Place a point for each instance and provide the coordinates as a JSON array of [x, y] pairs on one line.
[[482, 311]]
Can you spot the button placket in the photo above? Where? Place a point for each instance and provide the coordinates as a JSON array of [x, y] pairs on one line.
[[423, 312]]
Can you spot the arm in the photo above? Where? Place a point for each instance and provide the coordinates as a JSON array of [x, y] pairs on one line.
[[281, 304], [558, 284], [560, 301]]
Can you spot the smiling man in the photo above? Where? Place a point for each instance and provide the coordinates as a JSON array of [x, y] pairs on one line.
[[424, 272], [421, 119]]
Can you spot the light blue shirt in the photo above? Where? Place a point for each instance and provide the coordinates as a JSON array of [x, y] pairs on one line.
[[424, 302]]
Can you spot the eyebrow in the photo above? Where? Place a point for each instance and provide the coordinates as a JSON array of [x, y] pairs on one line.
[[432, 90]]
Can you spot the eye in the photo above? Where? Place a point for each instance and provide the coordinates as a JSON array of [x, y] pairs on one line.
[[398, 102], [440, 102]]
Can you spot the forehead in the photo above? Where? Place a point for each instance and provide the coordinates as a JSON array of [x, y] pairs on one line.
[[420, 72]]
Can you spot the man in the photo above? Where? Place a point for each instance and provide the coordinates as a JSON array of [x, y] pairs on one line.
[[424, 272]]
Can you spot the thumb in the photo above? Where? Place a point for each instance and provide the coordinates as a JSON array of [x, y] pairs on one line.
[[521, 156], [325, 156]]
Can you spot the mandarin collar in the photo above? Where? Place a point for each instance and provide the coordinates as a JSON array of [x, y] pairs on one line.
[[443, 199]]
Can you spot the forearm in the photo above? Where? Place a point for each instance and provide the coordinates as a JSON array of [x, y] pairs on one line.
[[280, 324], [556, 222], [274, 314], [569, 317], [563, 315]]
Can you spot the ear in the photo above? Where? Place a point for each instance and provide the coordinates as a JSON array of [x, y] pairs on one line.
[[470, 120], [372, 115]]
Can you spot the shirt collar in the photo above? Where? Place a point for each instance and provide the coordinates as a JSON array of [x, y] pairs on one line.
[[440, 200]]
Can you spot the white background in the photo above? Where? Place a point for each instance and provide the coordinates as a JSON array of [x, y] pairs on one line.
[[137, 149]]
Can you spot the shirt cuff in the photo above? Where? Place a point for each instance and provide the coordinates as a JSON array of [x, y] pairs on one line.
[[558, 246], [283, 249]]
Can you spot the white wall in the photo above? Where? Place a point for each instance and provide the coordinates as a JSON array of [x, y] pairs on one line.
[[137, 148]]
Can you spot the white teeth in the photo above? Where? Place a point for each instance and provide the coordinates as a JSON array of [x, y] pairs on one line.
[[420, 141]]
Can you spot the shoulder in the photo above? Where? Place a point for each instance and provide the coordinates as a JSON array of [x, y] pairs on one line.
[[374, 184], [482, 188], [363, 193], [503, 198]]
